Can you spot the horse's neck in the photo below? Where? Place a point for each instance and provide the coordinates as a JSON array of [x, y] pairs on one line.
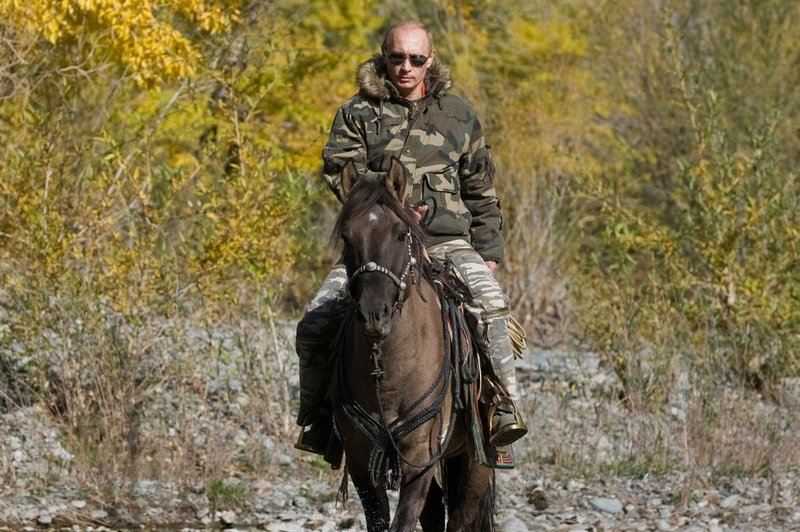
[[421, 308]]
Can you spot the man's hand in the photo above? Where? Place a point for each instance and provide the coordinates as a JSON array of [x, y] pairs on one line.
[[492, 265], [419, 212]]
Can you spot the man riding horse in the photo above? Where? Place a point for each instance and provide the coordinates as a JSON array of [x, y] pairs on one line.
[[403, 109]]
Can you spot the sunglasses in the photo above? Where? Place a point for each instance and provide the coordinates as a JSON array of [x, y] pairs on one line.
[[416, 60]]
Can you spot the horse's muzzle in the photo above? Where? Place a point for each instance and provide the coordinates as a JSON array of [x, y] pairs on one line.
[[376, 320], [376, 333]]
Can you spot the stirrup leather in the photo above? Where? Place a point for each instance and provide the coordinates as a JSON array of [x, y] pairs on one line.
[[510, 432]]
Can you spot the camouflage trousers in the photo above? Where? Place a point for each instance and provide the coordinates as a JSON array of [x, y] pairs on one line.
[[486, 308]]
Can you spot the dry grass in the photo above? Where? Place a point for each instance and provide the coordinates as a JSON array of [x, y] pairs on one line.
[[592, 427], [184, 400], [202, 403], [736, 431]]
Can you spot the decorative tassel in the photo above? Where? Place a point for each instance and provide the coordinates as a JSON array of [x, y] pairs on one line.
[[518, 337]]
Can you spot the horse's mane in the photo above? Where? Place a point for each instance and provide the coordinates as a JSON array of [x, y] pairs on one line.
[[364, 195]]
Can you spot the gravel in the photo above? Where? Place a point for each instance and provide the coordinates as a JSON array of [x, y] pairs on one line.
[[578, 469]]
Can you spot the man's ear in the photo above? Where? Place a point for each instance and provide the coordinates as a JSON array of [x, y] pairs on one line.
[[396, 179], [349, 177]]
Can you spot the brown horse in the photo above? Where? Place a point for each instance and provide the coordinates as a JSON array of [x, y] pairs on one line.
[[394, 387]]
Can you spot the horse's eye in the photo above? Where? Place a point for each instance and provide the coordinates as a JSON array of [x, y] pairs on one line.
[[402, 235]]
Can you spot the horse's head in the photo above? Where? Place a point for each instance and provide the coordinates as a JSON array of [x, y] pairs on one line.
[[381, 245]]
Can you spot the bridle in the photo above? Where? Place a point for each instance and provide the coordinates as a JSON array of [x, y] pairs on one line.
[[399, 282]]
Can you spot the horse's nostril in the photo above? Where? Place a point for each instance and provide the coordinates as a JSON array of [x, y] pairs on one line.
[[376, 320]]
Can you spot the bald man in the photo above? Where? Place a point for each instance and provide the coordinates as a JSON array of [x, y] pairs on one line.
[[403, 109]]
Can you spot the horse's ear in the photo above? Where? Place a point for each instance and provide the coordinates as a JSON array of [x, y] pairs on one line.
[[349, 177], [396, 179]]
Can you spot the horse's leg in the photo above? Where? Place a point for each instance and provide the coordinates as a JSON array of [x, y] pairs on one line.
[[373, 500], [470, 496], [413, 493], [432, 516], [376, 507]]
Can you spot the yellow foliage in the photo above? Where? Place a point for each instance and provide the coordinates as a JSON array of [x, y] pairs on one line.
[[700, 222], [299, 75], [134, 32], [594, 125]]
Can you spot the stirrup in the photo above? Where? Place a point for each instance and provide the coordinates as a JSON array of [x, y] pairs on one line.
[[512, 426]]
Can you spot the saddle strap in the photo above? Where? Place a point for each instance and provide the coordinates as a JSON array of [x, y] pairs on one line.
[[381, 463]]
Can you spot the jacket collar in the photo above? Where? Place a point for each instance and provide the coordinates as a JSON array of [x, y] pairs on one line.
[[373, 81]]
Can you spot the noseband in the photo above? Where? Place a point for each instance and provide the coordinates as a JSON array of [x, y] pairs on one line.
[[399, 282]]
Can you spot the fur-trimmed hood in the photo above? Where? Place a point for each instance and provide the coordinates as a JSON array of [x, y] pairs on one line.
[[374, 82]]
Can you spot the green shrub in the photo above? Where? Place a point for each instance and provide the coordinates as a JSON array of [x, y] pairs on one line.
[[693, 249]]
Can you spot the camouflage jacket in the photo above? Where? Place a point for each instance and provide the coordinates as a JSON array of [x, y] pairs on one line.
[[441, 144]]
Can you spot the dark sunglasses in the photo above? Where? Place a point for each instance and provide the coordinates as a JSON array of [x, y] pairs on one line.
[[416, 60]]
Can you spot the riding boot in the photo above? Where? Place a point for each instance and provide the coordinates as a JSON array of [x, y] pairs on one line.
[[314, 414], [313, 343], [505, 422], [313, 389]]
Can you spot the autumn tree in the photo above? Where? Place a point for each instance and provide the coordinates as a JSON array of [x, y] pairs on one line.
[[692, 243]]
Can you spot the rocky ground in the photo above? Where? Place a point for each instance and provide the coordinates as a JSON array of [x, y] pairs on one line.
[[589, 463]]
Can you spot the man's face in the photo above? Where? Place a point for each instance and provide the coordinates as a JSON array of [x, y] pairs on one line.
[[408, 45]]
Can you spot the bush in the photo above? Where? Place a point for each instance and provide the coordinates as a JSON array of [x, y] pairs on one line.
[[692, 250]]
